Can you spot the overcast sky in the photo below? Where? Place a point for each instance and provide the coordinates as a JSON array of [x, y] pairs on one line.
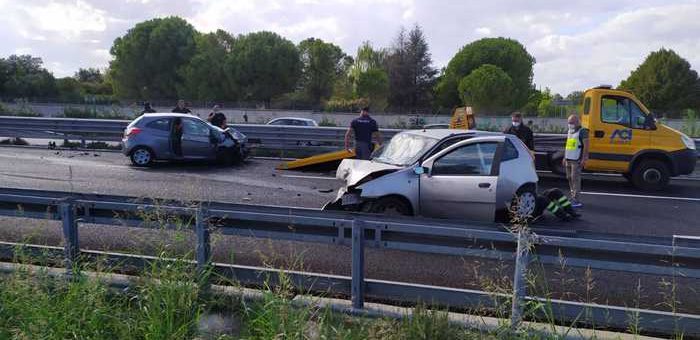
[[577, 44]]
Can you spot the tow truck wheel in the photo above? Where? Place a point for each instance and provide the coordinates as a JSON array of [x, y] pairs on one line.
[[391, 206], [651, 174]]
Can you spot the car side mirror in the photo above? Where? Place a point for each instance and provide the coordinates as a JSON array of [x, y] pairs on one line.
[[419, 170]]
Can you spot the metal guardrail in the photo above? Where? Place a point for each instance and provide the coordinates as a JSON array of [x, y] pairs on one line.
[[678, 257], [266, 136]]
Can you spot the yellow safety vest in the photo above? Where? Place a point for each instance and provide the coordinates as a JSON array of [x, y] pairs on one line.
[[573, 146]]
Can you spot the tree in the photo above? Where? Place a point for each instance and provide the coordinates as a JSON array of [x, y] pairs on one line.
[[263, 65], [367, 58], [69, 90], [487, 89], [148, 59], [664, 81], [374, 85], [576, 98], [321, 64], [411, 75], [508, 54], [546, 106], [25, 76], [89, 75], [204, 76]]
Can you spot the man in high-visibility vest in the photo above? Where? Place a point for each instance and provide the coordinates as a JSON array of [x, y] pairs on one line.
[[575, 157], [556, 203]]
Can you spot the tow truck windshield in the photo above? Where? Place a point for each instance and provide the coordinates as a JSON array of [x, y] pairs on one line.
[[405, 149]]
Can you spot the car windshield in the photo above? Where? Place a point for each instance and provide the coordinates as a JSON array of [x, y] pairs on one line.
[[405, 149]]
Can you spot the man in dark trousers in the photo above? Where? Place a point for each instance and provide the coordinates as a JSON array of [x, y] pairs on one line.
[[176, 136], [181, 108], [363, 127], [521, 130], [147, 108]]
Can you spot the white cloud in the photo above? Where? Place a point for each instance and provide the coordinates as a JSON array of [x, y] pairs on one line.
[[577, 43]]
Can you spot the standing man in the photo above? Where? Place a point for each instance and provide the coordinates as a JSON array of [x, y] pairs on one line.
[[363, 127], [520, 130], [180, 108], [147, 108], [176, 137], [217, 118], [575, 157]]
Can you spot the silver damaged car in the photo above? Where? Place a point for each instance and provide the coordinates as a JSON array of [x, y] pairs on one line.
[[441, 173]]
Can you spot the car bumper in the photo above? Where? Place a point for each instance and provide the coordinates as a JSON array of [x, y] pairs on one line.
[[684, 161]]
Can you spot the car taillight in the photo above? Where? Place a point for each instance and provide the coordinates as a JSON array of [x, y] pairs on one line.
[[133, 131]]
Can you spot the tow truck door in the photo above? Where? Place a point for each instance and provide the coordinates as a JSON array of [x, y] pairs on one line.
[[461, 181], [620, 129]]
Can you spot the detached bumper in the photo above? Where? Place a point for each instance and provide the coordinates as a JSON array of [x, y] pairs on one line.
[[684, 161]]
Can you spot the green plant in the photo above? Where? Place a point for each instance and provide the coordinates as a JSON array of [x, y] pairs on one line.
[[690, 123], [325, 121]]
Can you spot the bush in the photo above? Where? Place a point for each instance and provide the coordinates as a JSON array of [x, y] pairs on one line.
[[325, 121], [74, 112], [346, 105], [690, 123]]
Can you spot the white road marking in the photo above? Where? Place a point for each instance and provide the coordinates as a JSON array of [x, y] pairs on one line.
[[602, 174], [309, 177], [641, 196]]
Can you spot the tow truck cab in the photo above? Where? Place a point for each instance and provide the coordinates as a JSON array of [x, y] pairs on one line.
[[625, 138]]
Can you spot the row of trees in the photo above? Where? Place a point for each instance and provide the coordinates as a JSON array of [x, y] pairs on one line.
[[166, 58], [24, 76]]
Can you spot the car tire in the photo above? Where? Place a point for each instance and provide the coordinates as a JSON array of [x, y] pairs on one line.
[[524, 205], [651, 175], [142, 156], [391, 206]]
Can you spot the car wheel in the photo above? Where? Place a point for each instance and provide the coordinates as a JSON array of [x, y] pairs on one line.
[[391, 206], [142, 156], [524, 205], [651, 174]]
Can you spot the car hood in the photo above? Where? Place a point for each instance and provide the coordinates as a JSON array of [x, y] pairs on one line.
[[353, 171], [237, 135]]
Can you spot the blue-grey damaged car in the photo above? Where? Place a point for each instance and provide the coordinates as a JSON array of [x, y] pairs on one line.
[[150, 137]]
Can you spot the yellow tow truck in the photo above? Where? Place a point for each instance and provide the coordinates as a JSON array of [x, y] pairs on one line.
[[624, 138]]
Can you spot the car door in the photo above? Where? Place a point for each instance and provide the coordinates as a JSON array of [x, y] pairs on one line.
[[196, 142], [159, 136], [461, 181], [617, 135]]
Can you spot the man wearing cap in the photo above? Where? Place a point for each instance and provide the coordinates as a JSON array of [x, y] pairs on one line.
[[363, 127]]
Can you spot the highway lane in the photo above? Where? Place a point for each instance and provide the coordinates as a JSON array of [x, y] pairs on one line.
[[611, 203], [256, 182]]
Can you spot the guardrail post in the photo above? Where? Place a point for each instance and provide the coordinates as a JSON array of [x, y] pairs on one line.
[[358, 265], [203, 250], [522, 258], [71, 248]]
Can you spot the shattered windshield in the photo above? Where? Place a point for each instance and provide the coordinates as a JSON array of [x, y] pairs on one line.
[[405, 149]]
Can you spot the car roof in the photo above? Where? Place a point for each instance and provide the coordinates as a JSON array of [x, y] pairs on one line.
[[297, 118], [168, 114], [443, 133]]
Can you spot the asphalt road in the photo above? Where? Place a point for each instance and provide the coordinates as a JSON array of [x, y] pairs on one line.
[[611, 205]]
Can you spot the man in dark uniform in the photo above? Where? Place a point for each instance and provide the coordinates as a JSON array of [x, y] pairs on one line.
[[147, 108], [521, 130], [363, 127], [181, 108], [217, 118], [176, 137]]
